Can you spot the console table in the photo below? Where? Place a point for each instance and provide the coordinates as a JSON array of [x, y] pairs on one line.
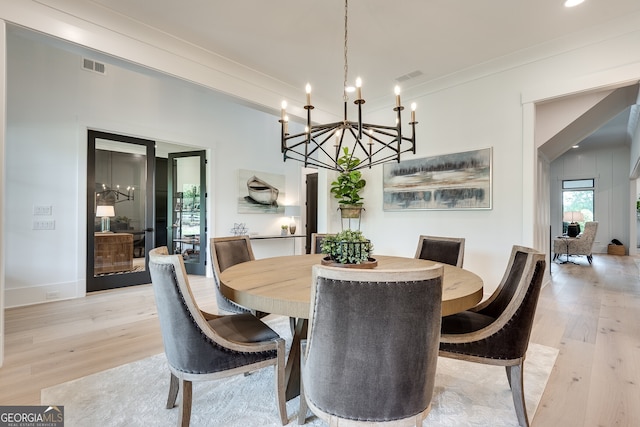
[[275, 236], [279, 236]]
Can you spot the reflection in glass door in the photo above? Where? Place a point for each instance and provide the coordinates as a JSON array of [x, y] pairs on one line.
[[119, 210], [186, 216]]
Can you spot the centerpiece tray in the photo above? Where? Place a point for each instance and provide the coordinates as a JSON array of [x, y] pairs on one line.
[[370, 263]]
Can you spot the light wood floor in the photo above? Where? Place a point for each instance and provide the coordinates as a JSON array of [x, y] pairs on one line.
[[592, 314]]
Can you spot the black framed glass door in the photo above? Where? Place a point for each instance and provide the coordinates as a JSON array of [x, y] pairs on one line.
[[120, 214], [186, 233]]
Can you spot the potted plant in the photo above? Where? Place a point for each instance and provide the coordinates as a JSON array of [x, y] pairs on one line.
[[283, 229], [348, 248], [347, 186]]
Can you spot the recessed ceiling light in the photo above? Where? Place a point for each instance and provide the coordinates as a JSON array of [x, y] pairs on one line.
[[571, 3], [576, 146]]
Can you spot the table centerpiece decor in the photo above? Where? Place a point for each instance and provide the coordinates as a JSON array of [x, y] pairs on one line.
[[348, 248]]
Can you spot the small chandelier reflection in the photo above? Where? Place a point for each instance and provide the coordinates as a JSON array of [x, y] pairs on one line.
[[321, 145], [110, 196]]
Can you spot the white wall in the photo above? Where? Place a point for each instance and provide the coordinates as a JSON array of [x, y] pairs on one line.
[[611, 197], [472, 115], [52, 101], [488, 111]]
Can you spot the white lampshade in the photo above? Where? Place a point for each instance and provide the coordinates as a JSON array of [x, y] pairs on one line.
[[573, 216], [105, 211]]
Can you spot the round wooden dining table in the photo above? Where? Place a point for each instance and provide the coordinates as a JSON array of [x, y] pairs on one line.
[[282, 285]]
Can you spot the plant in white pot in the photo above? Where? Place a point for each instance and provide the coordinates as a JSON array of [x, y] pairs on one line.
[[348, 248], [347, 186]]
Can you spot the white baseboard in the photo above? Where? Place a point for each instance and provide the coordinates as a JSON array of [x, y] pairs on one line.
[[18, 297]]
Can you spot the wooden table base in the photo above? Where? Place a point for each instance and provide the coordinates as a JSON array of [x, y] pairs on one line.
[[292, 368]]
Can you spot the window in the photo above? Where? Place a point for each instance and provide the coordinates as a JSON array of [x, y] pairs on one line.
[[577, 202]]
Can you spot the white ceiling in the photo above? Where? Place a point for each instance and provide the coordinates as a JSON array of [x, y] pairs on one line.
[[300, 41]]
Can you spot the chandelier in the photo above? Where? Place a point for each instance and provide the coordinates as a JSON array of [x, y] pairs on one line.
[[109, 196], [321, 145]]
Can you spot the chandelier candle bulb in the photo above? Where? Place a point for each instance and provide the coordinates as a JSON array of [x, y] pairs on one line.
[[413, 112], [358, 88], [286, 124], [308, 90], [283, 111], [397, 92]]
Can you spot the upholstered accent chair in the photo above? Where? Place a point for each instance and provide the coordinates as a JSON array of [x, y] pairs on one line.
[[448, 250], [316, 242], [582, 245], [201, 346], [497, 331], [372, 348], [227, 252]]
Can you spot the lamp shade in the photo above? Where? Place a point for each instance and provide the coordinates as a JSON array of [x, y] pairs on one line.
[[292, 211], [573, 216], [105, 211]]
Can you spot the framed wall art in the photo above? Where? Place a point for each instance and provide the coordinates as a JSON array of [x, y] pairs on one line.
[[449, 181], [260, 192]]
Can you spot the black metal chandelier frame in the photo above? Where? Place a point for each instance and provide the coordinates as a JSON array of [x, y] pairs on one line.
[[314, 146]]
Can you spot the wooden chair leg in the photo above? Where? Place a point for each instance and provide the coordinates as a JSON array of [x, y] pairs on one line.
[[515, 377], [185, 403], [281, 384], [173, 391], [302, 411]]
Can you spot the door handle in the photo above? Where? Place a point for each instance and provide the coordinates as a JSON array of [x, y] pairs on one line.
[[148, 230]]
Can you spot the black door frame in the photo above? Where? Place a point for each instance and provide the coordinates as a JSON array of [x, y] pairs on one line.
[[98, 283], [311, 208], [198, 268]]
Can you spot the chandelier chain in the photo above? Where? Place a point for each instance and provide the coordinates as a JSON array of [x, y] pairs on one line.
[[346, 63]]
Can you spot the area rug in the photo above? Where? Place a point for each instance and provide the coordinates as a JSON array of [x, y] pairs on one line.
[[135, 394]]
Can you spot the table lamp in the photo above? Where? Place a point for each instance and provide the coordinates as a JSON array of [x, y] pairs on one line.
[[292, 211], [573, 217], [104, 212]]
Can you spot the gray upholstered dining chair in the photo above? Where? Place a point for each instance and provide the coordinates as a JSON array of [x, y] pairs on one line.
[[449, 250], [372, 348], [316, 242], [582, 245], [497, 331], [226, 252], [201, 346]]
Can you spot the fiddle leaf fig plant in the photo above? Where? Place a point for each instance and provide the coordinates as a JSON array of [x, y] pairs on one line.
[[347, 186]]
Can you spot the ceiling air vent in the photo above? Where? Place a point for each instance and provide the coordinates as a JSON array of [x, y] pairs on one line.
[[411, 75], [95, 66]]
